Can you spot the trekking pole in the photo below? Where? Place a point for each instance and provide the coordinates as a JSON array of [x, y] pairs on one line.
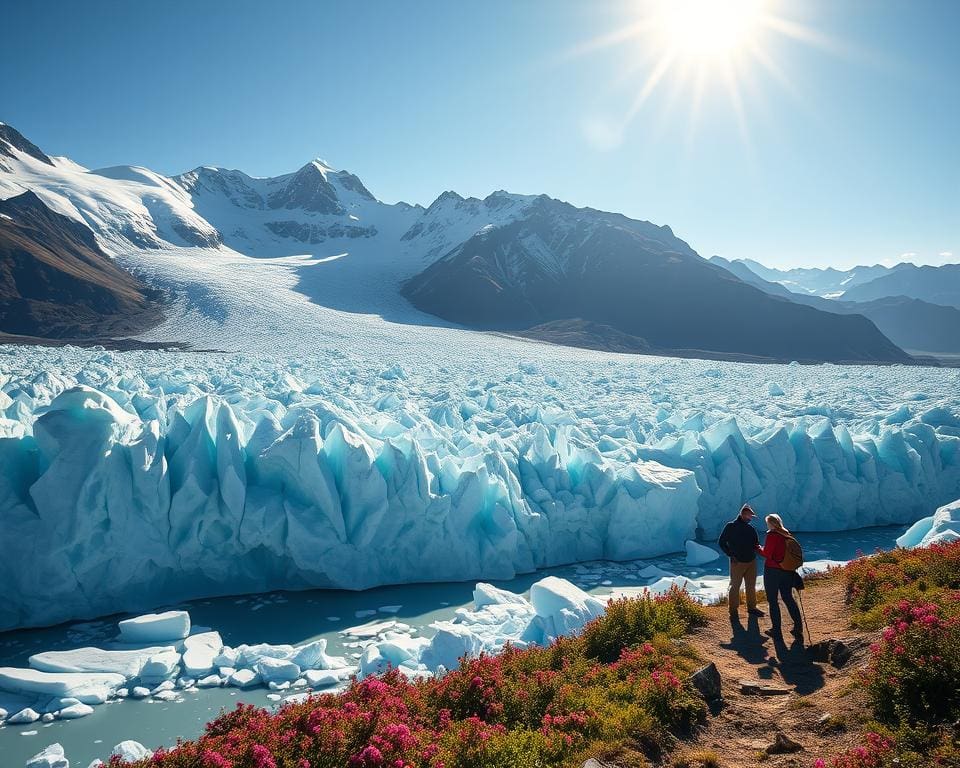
[[803, 615]]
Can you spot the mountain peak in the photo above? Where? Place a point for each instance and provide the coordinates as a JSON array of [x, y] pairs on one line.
[[11, 138]]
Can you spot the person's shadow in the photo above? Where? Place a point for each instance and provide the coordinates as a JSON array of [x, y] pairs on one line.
[[747, 641], [795, 666]]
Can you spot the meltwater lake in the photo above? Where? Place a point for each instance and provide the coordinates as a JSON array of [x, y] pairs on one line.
[[298, 617]]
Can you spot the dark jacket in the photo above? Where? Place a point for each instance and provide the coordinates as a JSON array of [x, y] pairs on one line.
[[739, 540]]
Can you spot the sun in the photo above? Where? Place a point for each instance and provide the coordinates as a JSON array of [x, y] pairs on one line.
[[707, 28], [697, 47]]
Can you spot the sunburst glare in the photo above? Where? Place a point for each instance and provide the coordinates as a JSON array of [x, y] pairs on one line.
[[688, 45]]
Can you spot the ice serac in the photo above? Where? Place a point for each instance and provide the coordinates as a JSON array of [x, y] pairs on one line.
[[133, 482]]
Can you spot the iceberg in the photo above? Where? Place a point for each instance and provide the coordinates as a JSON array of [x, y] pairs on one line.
[[942, 527], [89, 688], [51, 757], [698, 554], [155, 627]]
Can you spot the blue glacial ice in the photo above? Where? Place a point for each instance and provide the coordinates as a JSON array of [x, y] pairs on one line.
[[134, 480]]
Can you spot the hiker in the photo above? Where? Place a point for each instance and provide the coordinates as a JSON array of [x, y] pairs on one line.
[[779, 574], [739, 541]]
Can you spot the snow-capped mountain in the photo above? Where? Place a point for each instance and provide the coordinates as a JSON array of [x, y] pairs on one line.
[[558, 263], [507, 261]]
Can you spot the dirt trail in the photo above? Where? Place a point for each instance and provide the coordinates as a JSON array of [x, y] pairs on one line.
[[741, 726]]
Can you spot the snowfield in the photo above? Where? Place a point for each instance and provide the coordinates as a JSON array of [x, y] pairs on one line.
[[412, 454]]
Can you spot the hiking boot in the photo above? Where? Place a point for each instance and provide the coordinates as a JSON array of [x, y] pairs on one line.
[[755, 612]]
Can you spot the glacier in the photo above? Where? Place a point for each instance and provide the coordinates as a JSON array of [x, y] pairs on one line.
[[132, 480]]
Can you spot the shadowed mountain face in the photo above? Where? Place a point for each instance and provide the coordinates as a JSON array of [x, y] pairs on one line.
[[912, 324], [560, 263], [55, 282], [937, 285]]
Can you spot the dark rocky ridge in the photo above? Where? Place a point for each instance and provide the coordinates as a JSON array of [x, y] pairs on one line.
[[56, 282], [562, 263]]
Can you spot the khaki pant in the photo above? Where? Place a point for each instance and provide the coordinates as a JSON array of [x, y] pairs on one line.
[[740, 572]]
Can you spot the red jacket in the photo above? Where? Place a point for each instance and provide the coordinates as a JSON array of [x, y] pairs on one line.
[[773, 550]]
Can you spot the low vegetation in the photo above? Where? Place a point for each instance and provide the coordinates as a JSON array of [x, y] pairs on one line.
[[912, 681], [619, 691]]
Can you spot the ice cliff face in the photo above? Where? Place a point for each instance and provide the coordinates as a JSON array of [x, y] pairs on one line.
[[130, 480]]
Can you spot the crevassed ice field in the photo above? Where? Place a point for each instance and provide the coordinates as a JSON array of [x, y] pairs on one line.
[[338, 449]]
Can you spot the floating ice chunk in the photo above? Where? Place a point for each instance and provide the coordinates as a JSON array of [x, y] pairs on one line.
[[369, 630], [450, 642], [26, 715], [227, 657], [131, 751], [487, 594], [200, 651], [819, 566], [51, 757], [365, 614], [399, 648], [210, 681], [372, 662], [324, 678], [155, 627], [126, 663], [166, 696], [166, 685], [90, 688], [244, 678], [139, 692], [274, 697], [160, 665], [653, 572], [698, 554], [774, 389], [389, 608], [314, 656], [561, 609], [277, 670], [74, 711]]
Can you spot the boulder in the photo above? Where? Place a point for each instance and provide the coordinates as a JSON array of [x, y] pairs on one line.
[[707, 681]]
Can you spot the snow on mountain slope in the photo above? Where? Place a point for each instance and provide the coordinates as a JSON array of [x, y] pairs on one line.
[[125, 207]]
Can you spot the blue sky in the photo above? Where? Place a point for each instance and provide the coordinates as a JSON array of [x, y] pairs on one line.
[[848, 155]]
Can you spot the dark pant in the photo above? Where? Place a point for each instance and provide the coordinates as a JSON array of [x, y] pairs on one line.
[[778, 584]]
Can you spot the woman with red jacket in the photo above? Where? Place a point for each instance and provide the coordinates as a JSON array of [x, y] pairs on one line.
[[777, 582]]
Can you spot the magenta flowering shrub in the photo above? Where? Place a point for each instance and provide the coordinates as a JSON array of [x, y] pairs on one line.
[[535, 706], [914, 672], [913, 677]]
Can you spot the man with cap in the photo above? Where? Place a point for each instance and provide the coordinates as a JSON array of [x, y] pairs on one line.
[[739, 541]]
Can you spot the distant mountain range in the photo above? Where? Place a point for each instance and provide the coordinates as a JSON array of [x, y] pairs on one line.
[[918, 326], [526, 265], [936, 285]]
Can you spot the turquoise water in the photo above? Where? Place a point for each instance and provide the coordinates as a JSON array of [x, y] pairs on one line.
[[297, 617]]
